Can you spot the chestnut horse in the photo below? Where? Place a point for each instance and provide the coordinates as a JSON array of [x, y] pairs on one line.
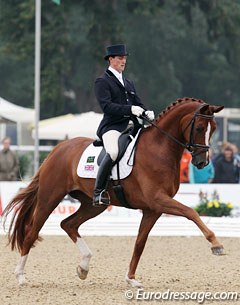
[[187, 123]]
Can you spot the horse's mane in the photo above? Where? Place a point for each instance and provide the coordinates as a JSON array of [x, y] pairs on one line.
[[179, 101]]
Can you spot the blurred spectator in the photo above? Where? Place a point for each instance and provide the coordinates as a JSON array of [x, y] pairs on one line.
[[184, 166], [9, 163], [204, 175], [226, 170], [219, 155], [236, 157]]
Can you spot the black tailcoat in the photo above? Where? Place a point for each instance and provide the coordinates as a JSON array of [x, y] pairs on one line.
[[116, 101]]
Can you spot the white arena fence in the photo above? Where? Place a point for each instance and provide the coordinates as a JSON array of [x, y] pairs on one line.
[[118, 221]]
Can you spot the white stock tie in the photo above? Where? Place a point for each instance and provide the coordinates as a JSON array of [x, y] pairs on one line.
[[121, 79]]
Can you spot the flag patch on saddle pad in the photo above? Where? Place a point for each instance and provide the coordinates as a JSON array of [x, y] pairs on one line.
[[90, 159], [88, 167]]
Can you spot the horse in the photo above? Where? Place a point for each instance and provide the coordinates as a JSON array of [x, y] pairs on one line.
[[187, 123]]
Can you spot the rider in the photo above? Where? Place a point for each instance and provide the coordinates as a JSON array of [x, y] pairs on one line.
[[119, 102]]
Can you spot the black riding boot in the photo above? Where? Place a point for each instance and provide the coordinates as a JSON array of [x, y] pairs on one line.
[[100, 194]]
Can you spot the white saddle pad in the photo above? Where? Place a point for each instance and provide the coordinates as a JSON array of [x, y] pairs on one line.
[[88, 167]]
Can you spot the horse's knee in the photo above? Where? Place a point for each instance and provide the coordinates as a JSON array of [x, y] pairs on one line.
[[191, 214]]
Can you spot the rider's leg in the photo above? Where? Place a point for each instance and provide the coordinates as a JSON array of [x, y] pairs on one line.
[[110, 142]]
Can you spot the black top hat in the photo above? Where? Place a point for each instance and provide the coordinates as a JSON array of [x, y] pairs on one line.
[[116, 50]]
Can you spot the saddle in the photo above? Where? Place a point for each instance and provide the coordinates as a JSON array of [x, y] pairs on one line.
[[122, 167], [124, 140]]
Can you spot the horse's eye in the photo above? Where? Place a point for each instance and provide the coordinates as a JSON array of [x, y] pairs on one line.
[[199, 129]]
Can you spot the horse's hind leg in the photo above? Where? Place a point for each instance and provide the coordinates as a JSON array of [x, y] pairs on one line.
[[19, 270], [32, 229], [71, 224]]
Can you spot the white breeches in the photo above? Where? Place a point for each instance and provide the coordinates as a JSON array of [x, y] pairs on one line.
[[110, 142]]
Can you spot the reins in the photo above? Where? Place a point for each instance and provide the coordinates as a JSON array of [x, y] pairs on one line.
[[144, 117], [190, 145]]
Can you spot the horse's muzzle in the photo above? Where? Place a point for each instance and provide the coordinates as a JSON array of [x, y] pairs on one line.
[[200, 159], [201, 165]]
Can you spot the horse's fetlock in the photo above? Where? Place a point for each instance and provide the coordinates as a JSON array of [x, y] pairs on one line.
[[17, 273], [211, 237], [89, 255]]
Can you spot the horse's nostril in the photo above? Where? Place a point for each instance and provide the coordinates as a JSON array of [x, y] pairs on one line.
[[200, 165]]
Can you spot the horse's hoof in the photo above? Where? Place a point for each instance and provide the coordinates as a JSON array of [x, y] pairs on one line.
[[133, 282], [218, 250], [82, 274]]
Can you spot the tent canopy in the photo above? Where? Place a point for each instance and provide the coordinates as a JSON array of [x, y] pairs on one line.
[[69, 126], [15, 113]]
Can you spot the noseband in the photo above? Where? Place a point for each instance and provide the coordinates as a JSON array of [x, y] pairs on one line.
[[190, 145]]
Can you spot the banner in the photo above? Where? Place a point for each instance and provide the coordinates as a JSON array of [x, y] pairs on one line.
[[119, 221]]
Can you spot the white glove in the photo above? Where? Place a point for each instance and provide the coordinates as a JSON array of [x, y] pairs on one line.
[[137, 110], [150, 115]]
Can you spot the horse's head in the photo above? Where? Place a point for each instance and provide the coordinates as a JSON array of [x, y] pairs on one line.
[[198, 129]]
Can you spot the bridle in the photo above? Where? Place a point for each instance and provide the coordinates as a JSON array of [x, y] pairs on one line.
[[190, 145]]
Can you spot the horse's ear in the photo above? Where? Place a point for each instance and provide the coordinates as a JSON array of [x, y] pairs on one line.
[[215, 109], [204, 109]]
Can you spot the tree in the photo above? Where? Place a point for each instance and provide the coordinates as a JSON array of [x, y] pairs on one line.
[[178, 48], [18, 33]]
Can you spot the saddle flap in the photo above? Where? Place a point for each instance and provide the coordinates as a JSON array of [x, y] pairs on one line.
[[88, 164], [124, 140]]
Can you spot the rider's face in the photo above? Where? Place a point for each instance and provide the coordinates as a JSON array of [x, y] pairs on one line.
[[118, 63]]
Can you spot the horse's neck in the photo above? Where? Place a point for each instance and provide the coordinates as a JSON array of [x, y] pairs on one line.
[[171, 125], [171, 122], [155, 143], [167, 145]]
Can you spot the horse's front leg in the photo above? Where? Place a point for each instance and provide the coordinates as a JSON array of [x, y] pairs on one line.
[[171, 206], [148, 220]]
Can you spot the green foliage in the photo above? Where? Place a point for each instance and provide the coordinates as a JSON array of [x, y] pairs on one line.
[[177, 48], [42, 156], [26, 160], [213, 207], [23, 165]]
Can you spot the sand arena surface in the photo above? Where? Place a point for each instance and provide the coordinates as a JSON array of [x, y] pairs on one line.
[[174, 263]]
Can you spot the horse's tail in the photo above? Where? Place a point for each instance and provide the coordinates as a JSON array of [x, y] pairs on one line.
[[23, 206]]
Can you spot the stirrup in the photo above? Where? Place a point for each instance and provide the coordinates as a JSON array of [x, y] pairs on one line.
[[103, 199]]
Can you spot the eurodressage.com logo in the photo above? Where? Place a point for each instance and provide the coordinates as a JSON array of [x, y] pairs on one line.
[[199, 296]]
